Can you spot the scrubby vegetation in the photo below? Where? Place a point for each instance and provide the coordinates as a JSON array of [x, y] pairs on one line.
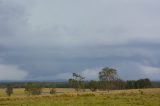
[[69, 97]]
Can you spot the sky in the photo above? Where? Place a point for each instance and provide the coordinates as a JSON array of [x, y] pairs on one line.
[[51, 39]]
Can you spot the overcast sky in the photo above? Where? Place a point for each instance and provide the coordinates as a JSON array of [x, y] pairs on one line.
[[50, 39]]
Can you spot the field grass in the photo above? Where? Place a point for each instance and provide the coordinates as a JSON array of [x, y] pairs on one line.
[[68, 97]]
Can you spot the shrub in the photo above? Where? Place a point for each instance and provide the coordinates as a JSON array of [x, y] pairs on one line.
[[36, 91], [9, 90], [33, 89], [52, 91], [141, 92]]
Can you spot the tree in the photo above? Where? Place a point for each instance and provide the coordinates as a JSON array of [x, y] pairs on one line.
[[77, 82], [93, 85], [107, 78], [9, 90]]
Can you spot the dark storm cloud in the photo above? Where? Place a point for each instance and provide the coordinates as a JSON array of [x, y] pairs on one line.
[[50, 39]]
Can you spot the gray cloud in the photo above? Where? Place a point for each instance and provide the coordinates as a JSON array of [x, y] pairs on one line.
[[12, 72], [50, 39]]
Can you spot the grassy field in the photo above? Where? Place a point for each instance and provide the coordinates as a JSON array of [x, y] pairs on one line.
[[68, 97]]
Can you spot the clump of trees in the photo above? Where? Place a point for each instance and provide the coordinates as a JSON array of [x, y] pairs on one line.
[[108, 79], [136, 84]]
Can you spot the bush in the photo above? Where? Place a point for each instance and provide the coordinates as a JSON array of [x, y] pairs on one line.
[[9, 90], [52, 91], [36, 91], [33, 89]]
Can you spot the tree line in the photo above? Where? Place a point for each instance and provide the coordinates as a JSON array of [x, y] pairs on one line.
[[108, 80]]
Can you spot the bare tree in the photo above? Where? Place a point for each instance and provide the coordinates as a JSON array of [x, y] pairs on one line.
[[77, 82]]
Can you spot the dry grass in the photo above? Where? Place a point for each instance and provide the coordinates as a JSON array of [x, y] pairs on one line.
[[20, 91], [68, 97]]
